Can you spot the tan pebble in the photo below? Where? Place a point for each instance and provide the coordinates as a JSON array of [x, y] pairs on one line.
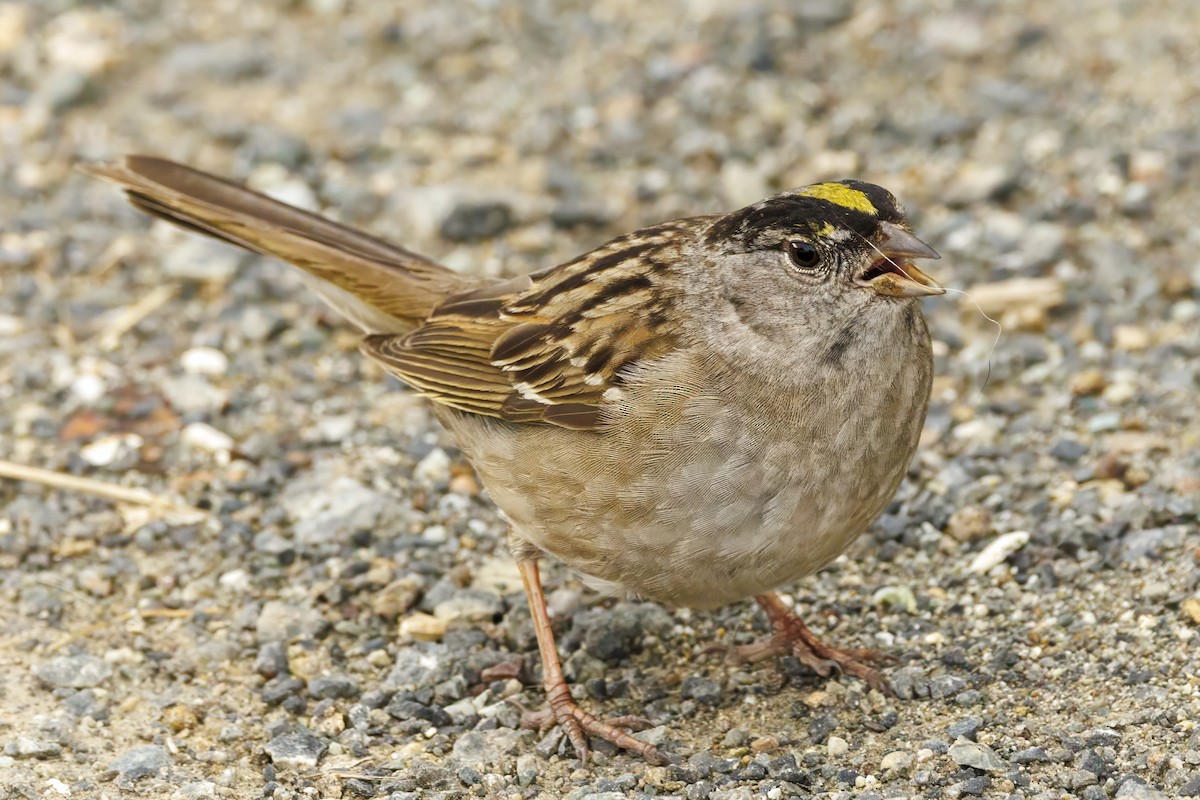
[[180, 718], [764, 744], [465, 485], [816, 699], [1088, 383], [969, 524], [423, 628], [397, 597], [1130, 338], [1191, 607]]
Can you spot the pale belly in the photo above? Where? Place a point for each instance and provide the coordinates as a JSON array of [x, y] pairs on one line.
[[715, 496]]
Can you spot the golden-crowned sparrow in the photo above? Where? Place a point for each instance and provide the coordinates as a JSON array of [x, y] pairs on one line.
[[694, 413]]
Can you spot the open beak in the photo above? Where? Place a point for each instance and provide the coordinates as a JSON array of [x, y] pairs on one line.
[[893, 273]]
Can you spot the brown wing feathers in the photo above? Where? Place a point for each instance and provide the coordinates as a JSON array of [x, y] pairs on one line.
[[545, 348]]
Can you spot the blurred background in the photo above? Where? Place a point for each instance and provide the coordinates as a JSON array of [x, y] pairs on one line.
[[304, 620]]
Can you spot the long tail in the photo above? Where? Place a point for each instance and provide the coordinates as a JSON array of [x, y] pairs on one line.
[[380, 287]]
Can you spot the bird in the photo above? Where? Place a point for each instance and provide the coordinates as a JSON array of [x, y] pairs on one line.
[[695, 413]]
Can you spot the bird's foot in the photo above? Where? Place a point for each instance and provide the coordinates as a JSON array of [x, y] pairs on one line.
[[793, 637], [577, 724]]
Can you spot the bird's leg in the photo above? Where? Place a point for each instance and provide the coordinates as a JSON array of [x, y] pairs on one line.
[[792, 637], [575, 721]]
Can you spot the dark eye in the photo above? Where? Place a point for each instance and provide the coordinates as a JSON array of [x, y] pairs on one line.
[[803, 254]]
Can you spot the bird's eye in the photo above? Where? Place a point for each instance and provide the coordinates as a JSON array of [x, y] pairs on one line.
[[803, 254]]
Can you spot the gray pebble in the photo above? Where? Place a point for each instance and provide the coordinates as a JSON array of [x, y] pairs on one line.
[[272, 659], [140, 762], [472, 222], [527, 769], [702, 690], [296, 750], [946, 685], [280, 622], [76, 672], [967, 728], [333, 686], [910, 683], [966, 753], [1137, 789], [29, 747]]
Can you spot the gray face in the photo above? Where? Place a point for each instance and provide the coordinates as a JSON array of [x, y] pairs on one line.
[[799, 271]]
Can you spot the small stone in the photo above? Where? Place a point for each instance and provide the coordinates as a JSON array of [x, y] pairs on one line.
[[702, 690], [297, 751], [280, 621], [180, 718], [423, 627], [895, 761], [333, 687], [1191, 787], [946, 685], [1136, 789], [75, 672], [735, 737], [1031, 755], [998, 550], [433, 469], [472, 222], [140, 762], [1191, 607], [965, 728], [527, 769], [898, 597], [202, 436], [1068, 450], [836, 746], [197, 790], [910, 683], [29, 747], [969, 524], [765, 744], [1131, 338], [470, 605], [966, 753], [204, 361], [271, 660], [397, 597]]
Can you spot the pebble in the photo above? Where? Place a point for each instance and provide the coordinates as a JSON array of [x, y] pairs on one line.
[[75, 672], [470, 605], [298, 751], [334, 512], [472, 222], [139, 762], [896, 761], [967, 753], [998, 550], [423, 627], [203, 436], [280, 622], [30, 747], [204, 361], [836, 746]]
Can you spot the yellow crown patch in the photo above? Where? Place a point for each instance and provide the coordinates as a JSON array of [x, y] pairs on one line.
[[842, 195]]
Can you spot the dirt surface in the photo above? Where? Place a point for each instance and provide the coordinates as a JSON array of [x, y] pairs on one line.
[[318, 602]]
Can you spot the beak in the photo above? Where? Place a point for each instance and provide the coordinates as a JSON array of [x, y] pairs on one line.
[[893, 274]]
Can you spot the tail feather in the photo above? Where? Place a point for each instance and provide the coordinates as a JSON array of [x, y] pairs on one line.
[[380, 287]]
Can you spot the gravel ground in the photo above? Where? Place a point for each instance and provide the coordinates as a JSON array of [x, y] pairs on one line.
[[326, 608]]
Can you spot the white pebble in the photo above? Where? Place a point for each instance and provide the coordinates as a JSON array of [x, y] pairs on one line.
[[203, 436], [837, 746], [88, 388], [998, 550], [108, 449], [433, 468], [204, 361]]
